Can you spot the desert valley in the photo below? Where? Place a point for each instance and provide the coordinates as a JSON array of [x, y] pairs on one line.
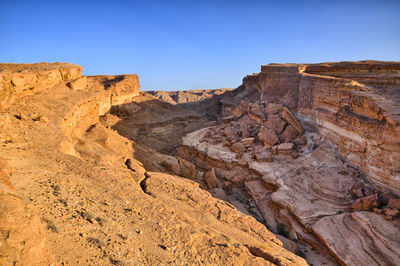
[[298, 165]]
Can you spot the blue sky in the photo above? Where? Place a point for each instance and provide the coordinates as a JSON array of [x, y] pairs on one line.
[[196, 44]]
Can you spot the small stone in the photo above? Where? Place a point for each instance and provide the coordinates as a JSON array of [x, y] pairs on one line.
[[285, 148], [367, 203], [227, 119], [247, 141], [263, 156], [392, 212], [377, 211], [238, 147], [274, 149], [357, 190], [41, 118]]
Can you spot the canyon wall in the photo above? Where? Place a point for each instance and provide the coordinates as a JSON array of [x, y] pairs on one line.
[[355, 104], [315, 147]]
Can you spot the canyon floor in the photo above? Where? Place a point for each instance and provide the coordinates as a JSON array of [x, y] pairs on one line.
[[299, 165]]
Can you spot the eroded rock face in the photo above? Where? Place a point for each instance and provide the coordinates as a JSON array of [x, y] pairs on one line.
[[22, 79], [345, 105]]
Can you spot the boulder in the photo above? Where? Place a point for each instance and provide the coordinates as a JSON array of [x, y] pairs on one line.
[[289, 134], [273, 108], [211, 179], [275, 123], [230, 133], [291, 120], [267, 136], [256, 114], [187, 169]]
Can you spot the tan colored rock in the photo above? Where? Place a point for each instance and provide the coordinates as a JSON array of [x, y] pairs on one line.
[[267, 136], [20, 79], [188, 169], [238, 147], [377, 211], [5, 173], [77, 84], [247, 141], [211, 179], [97, 202]]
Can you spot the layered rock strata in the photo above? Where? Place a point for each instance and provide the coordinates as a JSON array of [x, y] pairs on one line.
[[349, 164], [356, 105]]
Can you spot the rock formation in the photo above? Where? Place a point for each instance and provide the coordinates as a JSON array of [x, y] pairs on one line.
[[298, 164], [345, 164], [82, 197]]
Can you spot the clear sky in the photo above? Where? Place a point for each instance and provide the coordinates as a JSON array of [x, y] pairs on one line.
[[196, 44]]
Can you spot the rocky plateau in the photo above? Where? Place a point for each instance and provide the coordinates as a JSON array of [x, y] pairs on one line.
[[298, 165]]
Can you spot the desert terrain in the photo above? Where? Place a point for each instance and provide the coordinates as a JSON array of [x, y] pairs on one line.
[[299, 165]]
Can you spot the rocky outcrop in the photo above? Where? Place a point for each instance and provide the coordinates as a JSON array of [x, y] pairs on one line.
[[354, 104], [21, 79], [347, 113]]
